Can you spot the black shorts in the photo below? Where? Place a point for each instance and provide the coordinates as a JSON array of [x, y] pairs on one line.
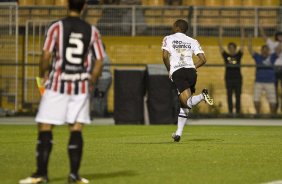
[[185, 78]]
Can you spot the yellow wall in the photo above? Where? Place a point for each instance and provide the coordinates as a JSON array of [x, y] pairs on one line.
[[147, 50]]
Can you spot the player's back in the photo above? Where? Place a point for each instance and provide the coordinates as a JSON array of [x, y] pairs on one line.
[[76, 41], [73, 42], [181, 36], [182, 39], [181, 48]]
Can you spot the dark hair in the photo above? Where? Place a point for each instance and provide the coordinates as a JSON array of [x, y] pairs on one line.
[[76, 5], [182, 25], [232, 44], [264, 47], [279, 33]]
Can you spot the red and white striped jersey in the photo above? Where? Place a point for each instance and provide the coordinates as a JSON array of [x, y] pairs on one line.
[[75, 46]]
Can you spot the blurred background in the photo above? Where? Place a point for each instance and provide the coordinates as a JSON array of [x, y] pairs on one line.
[[132, 32]]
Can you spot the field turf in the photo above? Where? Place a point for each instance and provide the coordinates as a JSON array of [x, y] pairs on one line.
[[146, 154]]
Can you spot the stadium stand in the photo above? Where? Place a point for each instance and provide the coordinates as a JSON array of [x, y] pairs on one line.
[[213, 3], [26, 2], [270, 3], [232, 3], [251, 3], [193, 2], [153, 2], [44, 2], [60, 2], [145, 47]]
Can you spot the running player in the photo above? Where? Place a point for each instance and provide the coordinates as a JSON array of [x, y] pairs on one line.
[[72, 42], [178, 49]]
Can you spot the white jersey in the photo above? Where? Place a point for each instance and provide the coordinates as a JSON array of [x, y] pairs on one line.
[[181, 49], [272, 45]]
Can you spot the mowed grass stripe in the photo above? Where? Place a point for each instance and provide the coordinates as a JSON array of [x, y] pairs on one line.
[[146, 154]]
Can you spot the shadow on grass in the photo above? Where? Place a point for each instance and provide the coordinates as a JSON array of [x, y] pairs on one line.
[[171, 142], [98, 176], [148, 142], [207, 140]]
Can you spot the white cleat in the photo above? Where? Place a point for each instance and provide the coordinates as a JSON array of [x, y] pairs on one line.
[[77, 180], [33, 180], [207, 98]]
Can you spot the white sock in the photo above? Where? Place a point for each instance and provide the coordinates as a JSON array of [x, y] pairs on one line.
[[194, 100], [181, 121]]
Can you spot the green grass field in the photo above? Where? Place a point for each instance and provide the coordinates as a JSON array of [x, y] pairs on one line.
[[146, 154]]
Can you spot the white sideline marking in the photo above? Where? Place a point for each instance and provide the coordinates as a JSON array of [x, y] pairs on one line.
[[274, 182]]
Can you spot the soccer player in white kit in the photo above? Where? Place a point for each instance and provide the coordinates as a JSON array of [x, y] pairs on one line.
[[70, 44], [178, 50]]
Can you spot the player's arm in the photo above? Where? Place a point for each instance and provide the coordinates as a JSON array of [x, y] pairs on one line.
[[44, 64], [220, 40], [201, 61], [49, 45], [250, 46], [99, 52], [242, 39], [197, 50], [166, 59], [97, 71]]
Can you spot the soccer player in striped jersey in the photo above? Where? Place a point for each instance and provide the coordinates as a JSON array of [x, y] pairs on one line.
[[178, 50], [70, 45]]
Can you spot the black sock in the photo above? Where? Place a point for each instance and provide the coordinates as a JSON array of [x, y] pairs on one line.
[[75, 151], [43, 149]]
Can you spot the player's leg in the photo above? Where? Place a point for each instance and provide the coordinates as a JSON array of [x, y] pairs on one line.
[[189, 101], [78, 114], [181, 121], [51, 112], [43, 150], [75, 149], [182, 118], [185, 80], [185, 95]]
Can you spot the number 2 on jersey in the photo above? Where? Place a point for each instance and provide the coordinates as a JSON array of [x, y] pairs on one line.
[[73, 54]]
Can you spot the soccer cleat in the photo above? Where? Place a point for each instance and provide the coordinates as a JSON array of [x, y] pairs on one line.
[[75, 179], [34, 179], [175, 137], [207, 98]]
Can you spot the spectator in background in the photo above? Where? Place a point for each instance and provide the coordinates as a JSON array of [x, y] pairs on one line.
[[278, 75], [272, 44], [174, 2], [93, 2], [265, 76], [275, 46], [109, 2], [233, 78], [130, 2], [100, 101]]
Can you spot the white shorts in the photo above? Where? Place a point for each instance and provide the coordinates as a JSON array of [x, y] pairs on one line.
[[268, 88], [57, 109]]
